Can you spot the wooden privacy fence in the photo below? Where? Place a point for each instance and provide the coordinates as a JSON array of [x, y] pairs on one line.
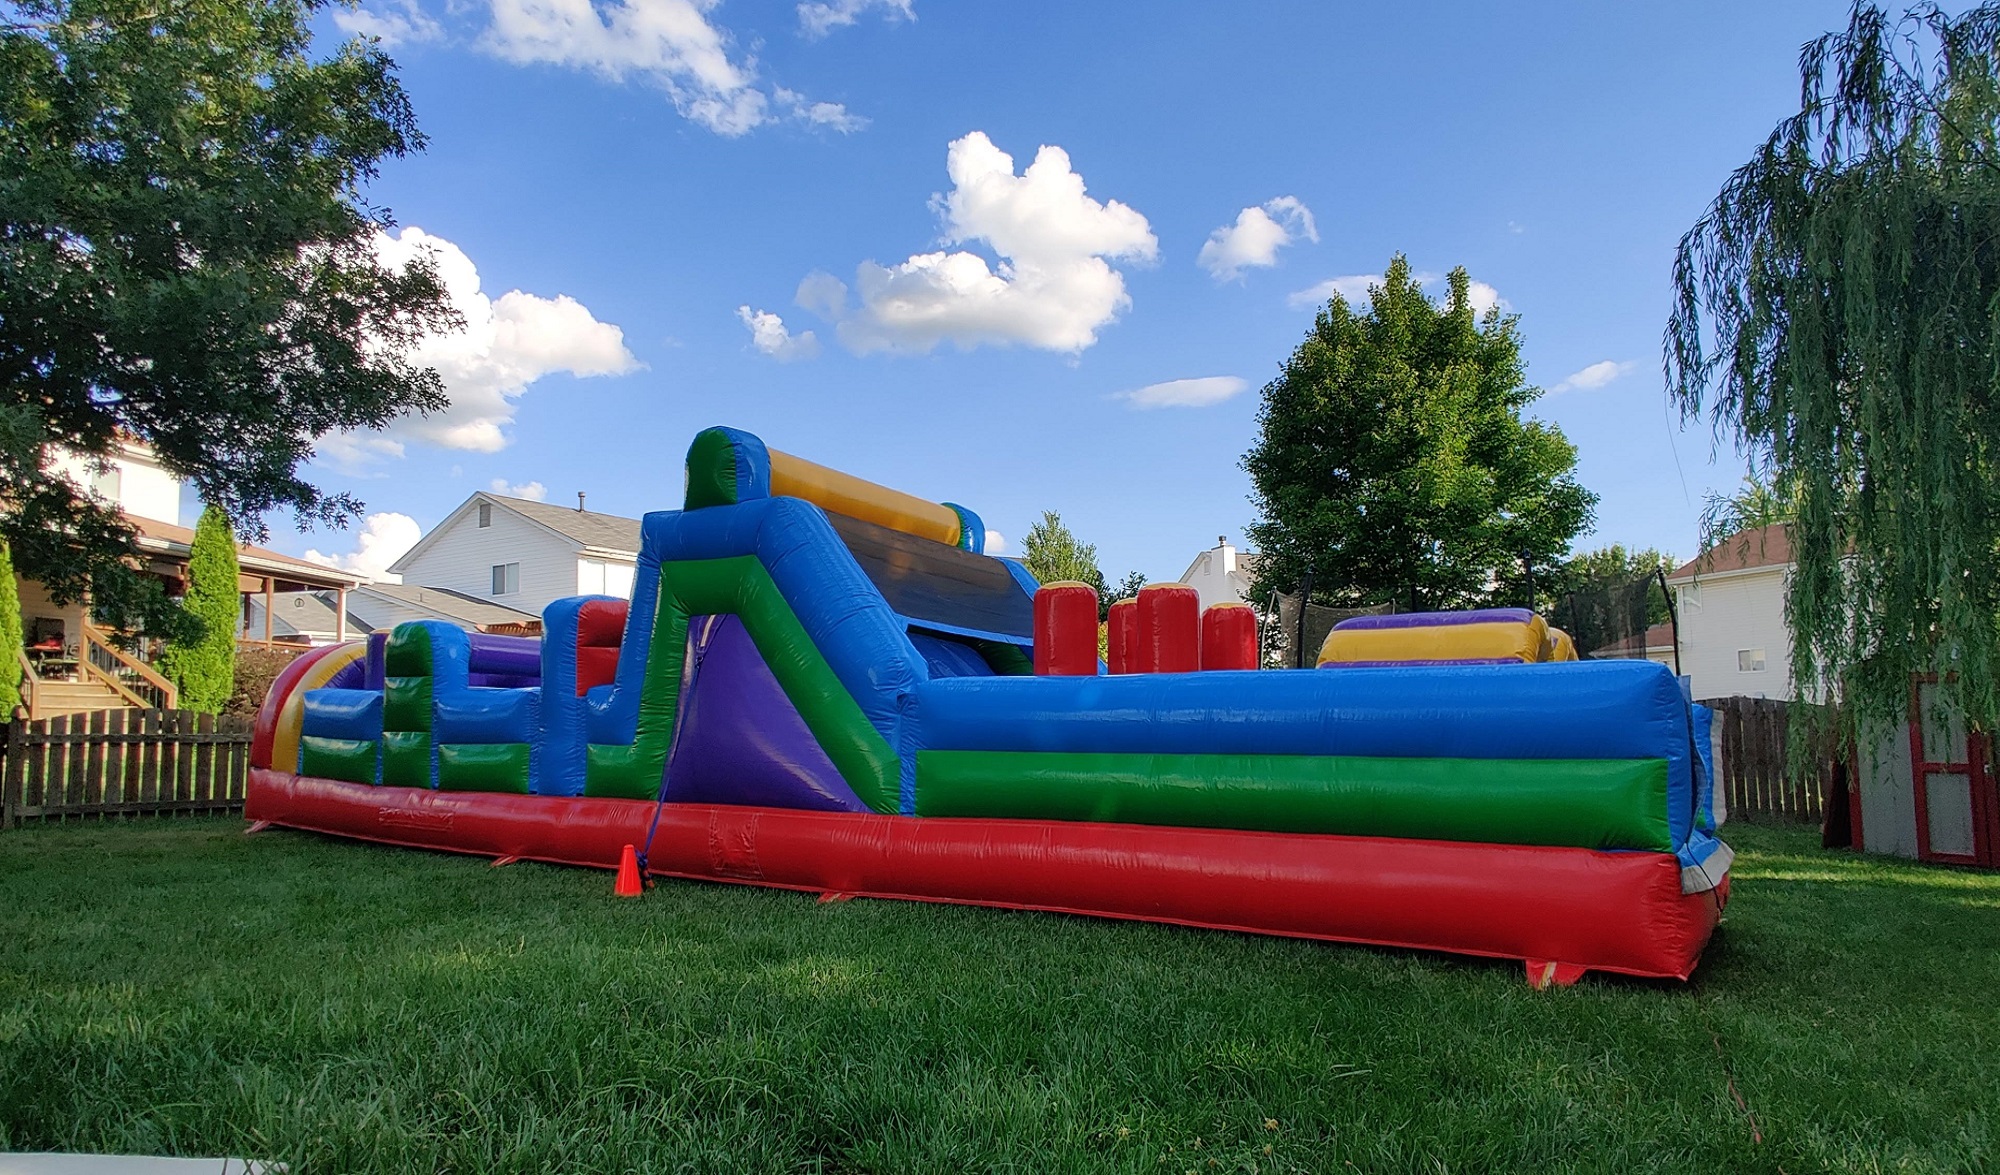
[[124, 763], [1755, 772]]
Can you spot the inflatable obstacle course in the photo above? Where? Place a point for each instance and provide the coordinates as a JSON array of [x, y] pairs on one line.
[[826, 685]]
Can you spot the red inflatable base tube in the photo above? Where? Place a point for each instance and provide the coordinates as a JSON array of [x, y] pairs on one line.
[[1621, 912]]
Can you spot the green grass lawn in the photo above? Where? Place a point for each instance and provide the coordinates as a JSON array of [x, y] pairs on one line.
[[177, 987]]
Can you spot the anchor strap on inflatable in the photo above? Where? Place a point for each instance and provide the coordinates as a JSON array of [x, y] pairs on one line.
[[674, 744]]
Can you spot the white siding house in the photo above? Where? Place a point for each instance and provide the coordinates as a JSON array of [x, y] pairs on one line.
[[65, 639], [522, 555], [1222, 574], [1731, 605], [131, 480]]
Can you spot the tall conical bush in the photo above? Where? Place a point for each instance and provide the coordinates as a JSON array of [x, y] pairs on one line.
[[205, 670], [12, 638]]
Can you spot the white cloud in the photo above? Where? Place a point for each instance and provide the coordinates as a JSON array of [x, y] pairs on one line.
[[1483, 298], [769, 335], [507, 344], [1185, 393], [1595, 376], [996, 543], [823, 294], [382, 539], [393, 22], [1053, 287], [669, 42], [1254, 240], [817, 18], [533, 491], [353, 451], [1353, 288], [831, 115]]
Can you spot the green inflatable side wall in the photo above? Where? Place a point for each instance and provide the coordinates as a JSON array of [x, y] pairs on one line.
[[1586, 803]]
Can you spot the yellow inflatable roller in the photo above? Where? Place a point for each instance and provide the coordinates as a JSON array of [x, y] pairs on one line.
[[727, 466], [844, 493], [1488, 636]]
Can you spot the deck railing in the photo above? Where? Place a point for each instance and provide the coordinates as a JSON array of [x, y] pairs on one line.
[[29, 680], [138, 683]]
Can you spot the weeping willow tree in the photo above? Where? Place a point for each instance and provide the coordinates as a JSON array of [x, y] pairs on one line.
[[1837, 316], [1756, 502]]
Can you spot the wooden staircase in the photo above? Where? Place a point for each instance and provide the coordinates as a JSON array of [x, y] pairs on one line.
[[73, 697], [106, 678]]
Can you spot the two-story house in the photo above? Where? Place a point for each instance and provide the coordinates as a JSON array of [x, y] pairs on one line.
[[1222, 574], [1730, 601], [522, 555], [71, 664]]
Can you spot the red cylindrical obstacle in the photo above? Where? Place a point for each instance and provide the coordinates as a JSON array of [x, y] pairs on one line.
[[1229, 637], [1121, 637], [1066, 630], [1169, 622]]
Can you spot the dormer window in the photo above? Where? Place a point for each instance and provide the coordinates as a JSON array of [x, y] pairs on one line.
[[485, 515]]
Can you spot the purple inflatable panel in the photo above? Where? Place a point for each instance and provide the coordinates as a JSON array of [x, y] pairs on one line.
[[740, 741], [353, 675], [1435, 619], [378, 647], [502, 680], [506, 656], [1439, 661]]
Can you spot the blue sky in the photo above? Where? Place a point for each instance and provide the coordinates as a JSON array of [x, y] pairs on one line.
[[624, 193]]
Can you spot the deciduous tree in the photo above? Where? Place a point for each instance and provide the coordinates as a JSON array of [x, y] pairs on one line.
[[1394, 462], [1607, 595], [1052, 553], [185, 258]]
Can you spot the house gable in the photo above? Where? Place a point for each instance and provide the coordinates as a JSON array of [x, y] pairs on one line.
[[459, 555], [1730, 622], [1222, 574]]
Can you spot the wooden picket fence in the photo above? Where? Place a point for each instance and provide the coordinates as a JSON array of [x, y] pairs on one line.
[[1755, 769], [123, 763]]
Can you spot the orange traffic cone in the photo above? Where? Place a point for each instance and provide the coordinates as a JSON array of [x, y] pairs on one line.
[[629, 883]]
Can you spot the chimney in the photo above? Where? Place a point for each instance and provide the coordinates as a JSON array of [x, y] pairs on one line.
[[579, 501]]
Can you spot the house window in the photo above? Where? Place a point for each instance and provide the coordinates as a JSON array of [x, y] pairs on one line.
[[506, 578], [108, 484], [1750, 660], [485, 515], [596, 577]]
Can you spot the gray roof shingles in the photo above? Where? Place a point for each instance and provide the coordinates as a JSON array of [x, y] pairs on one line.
[[609, 532], [448, 603]]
